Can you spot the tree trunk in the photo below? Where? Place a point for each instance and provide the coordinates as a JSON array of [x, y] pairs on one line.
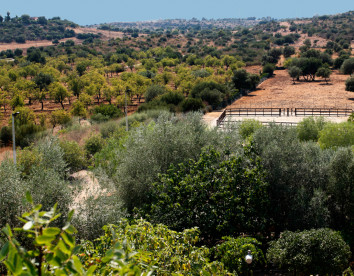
[[42, 105], [62, 105]]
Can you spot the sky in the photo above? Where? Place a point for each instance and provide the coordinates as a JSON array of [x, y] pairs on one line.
[[104, 11]]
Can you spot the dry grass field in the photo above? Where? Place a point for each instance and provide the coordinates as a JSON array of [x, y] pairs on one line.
[[280, 92]]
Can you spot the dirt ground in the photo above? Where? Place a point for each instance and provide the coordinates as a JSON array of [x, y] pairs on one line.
[[5, 152], [280, 92]]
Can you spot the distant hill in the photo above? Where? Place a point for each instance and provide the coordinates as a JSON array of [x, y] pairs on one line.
[[227, 23], [26, 28], [338, 27]]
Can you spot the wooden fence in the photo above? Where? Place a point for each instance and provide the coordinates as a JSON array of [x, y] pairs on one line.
[[254, 112], [280, 112], [236, 123], [322, 112]]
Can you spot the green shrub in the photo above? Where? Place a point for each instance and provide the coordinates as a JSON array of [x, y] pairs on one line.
[[60, 117], [5, 135], [216, 195], [347, 67], [268, 69], [74, 155], [27, 159], [99, 118], [108, 110], [349, 84], [78, 109], [317, 251], [191, 104], [11, 187], [107, 129], [232, 254], [153, 91], [170, 252], [17, 101], [309, 128], [295, 170], [248, 127], [27, 133], [337, 135], [174, 98], [212, 97], [94, 144]]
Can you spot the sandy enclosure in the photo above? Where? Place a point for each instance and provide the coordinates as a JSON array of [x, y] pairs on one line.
[[280, 92]]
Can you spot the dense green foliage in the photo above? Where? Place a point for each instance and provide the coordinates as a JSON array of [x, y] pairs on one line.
[[219, 196], [171, 168], [320, 251], [232, 251]]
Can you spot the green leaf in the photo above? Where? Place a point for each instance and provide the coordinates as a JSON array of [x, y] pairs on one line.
[[51, 231], [44, 239], [28, 225], [77, 264], [4, 251], [68, 228], [91, 270], [29, 197], [68, 240], [70, 215], [7, 230]]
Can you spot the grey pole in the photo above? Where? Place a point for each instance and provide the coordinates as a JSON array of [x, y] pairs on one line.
[[13, 135], [126, 110]]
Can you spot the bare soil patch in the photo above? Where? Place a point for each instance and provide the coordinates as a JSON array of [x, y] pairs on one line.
[[280, 92], [5, 152]]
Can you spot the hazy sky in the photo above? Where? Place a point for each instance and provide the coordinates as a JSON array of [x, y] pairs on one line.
[[101, 11]]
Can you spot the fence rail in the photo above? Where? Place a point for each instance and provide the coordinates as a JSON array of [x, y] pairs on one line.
[[281, 112], [322, 112], [253, 111], [223, 123]]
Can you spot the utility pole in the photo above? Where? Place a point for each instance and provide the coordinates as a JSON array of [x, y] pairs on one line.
[[13, 135], [126, 109]]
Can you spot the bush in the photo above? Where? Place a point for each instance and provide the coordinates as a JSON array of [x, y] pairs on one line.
[[170, 252], [295, 170], [309, 128], [232, 254], [74, 155], [109, 111], [337, 135], [218, 196], [153, 91], [60, 117], [248, 127], [107, 129], [11, 187], [5, 135], [349, 84], [317, 251], [174, 98], [347, 67], [78, 109], [94, 144], [27, 159], [268, 69], [212, 97], [191, 104]]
